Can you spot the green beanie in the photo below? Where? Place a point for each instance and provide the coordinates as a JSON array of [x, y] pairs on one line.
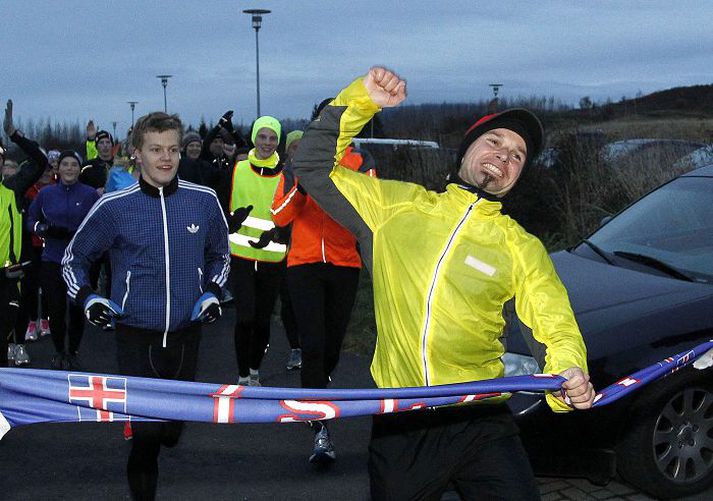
[[295, 134], [266, 122]]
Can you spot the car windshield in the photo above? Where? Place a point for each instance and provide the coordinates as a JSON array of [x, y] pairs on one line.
[[672, 227]]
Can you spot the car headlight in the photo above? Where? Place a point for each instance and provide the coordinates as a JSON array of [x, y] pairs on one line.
[[519, 365]]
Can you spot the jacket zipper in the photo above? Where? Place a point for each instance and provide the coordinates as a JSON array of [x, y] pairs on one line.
[[200, 280], [168, 266], [431, 291], [324, 255], [128, 288]]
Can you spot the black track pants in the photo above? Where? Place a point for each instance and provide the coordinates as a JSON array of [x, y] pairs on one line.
[[322, 299]]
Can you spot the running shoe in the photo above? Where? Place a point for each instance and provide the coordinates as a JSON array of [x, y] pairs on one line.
[[295, 360], [59, 362], [11, 348], [31, 332], [44, 327], [72, 362], [323, 453], [21, 356], [254, 380]]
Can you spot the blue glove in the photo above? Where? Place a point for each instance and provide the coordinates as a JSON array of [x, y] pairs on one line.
[[207, 309], [101, 311]]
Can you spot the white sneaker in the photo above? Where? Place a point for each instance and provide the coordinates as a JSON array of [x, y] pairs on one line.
[[44, 327], [11, 349], [31, 332], [243, 381], [21, 356]]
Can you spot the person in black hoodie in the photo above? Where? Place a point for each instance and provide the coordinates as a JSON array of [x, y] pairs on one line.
[[12, 190], [192, 167]]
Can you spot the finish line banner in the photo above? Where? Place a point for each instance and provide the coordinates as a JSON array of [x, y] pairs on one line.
[[30, 396]]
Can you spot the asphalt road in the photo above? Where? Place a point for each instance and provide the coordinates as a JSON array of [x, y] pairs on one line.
[[254, 462]]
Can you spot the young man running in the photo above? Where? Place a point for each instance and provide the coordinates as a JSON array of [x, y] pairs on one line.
[[168, 244]]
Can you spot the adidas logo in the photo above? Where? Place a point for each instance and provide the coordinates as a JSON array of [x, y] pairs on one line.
[[193, 228]]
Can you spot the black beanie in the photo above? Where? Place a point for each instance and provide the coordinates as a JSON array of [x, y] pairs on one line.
[[104, 134], [519, 120], [70, 153]]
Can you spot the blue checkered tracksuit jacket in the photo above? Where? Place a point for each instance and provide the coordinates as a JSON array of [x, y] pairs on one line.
[[167, 247]]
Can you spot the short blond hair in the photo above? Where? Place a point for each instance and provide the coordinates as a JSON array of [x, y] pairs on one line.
[[158, 121]]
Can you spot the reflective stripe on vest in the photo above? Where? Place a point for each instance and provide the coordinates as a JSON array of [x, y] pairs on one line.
[[250, 188]]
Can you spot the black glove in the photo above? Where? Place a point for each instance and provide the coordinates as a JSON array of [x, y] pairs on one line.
[[265, 239], [101, 311], [367, 160], [236, 218], [14, 271], [52, 231], [59, 232], [207, 309], [277, 234], [226, 121]]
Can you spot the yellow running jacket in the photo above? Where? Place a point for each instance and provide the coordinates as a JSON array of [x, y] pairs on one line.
[[443, 265]]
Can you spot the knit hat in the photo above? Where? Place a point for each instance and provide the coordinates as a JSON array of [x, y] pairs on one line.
[[70, 153], [292, 136], [266, 122], [104, 134], [519, 120], [190, 137]]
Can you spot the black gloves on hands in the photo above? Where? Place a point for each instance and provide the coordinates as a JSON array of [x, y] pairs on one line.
[[52, 231], [277, 234], [226, 121], [101, 311], [236, 218]]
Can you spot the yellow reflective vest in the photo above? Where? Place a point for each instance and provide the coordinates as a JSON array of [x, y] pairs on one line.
[[443, 265], [10, 228], [251, 188]]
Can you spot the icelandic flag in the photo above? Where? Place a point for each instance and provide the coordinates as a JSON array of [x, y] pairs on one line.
[[29, 396], [102, 394]]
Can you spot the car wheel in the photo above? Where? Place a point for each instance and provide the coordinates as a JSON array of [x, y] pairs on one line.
[[667, 450]]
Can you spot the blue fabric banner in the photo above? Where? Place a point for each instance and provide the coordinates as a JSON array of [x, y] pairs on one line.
[[30, 396]]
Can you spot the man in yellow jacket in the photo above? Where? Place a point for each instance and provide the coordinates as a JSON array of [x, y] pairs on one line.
[[443, 265]]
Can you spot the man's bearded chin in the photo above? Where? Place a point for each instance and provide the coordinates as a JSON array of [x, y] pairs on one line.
[[483, 185]]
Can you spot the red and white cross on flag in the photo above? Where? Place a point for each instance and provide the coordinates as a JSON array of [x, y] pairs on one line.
[[104, 395]]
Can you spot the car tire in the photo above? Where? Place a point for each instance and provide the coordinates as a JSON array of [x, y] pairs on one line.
[[667, 448]]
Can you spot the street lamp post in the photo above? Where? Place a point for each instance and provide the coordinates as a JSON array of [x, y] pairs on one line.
[[257, 22], [494, 102], [133, 105], [164, 82], [496, 89]]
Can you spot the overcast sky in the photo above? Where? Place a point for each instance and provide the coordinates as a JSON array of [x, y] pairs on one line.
[[74, 60]]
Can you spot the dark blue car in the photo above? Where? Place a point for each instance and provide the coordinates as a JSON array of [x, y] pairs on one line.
[[642, 289]]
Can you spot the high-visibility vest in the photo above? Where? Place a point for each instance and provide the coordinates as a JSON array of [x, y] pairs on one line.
[[10, 228], [250, 188]]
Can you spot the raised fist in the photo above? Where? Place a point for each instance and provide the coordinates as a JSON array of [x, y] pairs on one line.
[[385, 87], [7, 124], [91, 130]]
